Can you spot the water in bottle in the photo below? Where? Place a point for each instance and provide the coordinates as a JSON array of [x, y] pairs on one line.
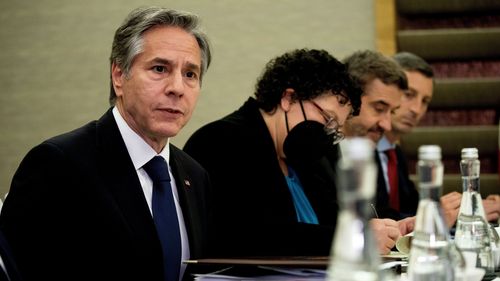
[[354, 255], [431, 255], [473, 233]]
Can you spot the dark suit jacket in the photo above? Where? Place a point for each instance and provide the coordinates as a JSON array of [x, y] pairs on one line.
[[408, 194], [76, 209], [8, 261], [253, 208]]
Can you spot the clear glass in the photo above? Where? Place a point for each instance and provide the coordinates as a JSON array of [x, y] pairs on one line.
[[473, 233], [495, 247], [354, 254], [431, 255]]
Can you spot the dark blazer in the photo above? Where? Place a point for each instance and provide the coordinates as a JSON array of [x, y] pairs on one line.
[[76, 209], [253, 208], [408, 194], [8, 261]]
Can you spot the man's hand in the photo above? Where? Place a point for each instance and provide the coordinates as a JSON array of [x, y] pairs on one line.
[[386, 232], [451, 206], [492, 207], [406, 225]]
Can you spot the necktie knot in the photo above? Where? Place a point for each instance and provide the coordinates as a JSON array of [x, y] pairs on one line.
[[157, 169], [391, 154]]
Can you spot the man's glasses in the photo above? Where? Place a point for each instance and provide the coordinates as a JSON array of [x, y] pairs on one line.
[[331, 125]]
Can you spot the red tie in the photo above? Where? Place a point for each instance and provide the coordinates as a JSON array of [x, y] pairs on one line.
[[392, 174]]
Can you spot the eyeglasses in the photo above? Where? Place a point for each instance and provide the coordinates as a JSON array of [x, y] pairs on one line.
[[343, 99], [331, 125]]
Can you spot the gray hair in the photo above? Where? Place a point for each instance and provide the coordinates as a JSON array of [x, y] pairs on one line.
[[365, 66], [128, 40], [411, 62]]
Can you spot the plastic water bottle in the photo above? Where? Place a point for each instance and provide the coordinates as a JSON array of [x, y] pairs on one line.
[[431, 255]]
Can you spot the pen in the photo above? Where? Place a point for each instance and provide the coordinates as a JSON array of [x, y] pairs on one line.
[[374, 210]]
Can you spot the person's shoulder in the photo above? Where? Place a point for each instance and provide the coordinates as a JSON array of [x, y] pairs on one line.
[[222, 127], [187, 161], [179, 154], [103, 130], [74, 135], [239, 122], [216, 132], [208, 140], [75, 143]]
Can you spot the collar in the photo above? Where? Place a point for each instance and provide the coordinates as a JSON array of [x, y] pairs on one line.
[[384, 144], [139, 150]]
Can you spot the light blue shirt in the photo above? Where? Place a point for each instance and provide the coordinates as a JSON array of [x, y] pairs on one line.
[[383, 145]]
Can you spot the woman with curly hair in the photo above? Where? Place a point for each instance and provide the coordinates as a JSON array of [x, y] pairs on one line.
[[274, 190]]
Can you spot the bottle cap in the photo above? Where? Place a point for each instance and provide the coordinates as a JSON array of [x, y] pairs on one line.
[[358, 148], [470, 153], [429, 152]]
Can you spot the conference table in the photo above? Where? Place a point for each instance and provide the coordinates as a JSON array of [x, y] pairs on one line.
[[301, 268]]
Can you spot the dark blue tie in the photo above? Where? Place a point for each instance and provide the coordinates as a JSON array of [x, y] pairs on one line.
[[165, 216]]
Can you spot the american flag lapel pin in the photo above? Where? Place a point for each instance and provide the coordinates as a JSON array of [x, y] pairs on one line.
[[187, 183]]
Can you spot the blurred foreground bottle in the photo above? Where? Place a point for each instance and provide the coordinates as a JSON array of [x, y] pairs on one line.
[[431, 256], [354, 254], [473, 233]]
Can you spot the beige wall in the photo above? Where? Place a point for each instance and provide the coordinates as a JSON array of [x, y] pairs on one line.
[[54, 57]]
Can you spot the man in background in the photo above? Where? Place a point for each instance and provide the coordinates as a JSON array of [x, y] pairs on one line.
[[382, 82], [414, 105], [397, 196]]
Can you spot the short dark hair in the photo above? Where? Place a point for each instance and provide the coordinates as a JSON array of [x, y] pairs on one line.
[[310, 73], [128, 40], [411, 62], [365, 66]]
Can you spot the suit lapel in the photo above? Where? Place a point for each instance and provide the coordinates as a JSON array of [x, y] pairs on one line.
[[192, 200], [382, 194], [404, 182], [120, 178], [187, 198]]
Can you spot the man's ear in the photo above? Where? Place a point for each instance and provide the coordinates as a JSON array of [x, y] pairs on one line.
[[286, 99], [117, 76]]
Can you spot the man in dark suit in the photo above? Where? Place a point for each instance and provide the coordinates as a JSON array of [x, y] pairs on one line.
[[414, 103], [80, 204], [413, 107], [406, 191], [383, 83]]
